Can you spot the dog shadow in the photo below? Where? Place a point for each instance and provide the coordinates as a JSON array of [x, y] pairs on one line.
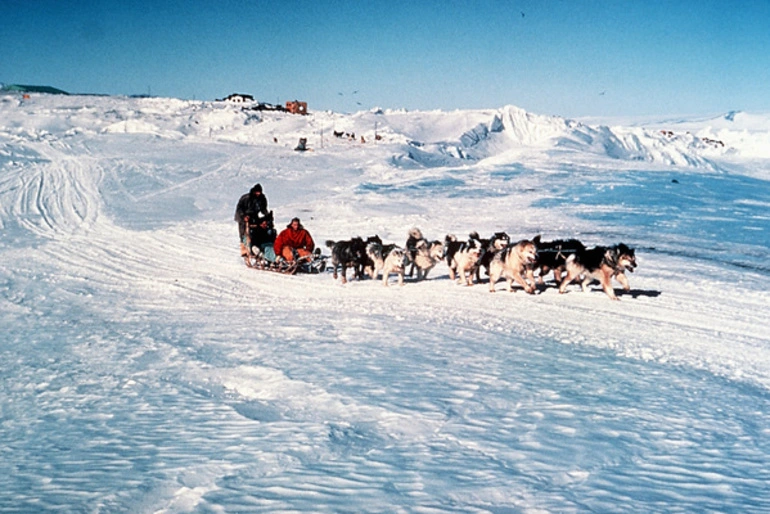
[[633, 293], [636, 293]]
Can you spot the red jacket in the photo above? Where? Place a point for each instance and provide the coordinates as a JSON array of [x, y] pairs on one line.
[[293, 239]]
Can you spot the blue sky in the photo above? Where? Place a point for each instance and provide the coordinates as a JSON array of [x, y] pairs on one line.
[[565, 57]]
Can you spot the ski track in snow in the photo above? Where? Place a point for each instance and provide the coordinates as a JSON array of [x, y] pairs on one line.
[[147, 370]]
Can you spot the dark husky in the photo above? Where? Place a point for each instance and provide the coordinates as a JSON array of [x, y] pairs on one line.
[[422, 254], [368, 264], [348, 254], [601, 263], [489, 247], [552, 256], [512, 263], [461, 257]]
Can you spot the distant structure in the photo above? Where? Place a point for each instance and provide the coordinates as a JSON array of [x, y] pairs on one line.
[[238, 98], [19, 88], [302, 145], [296, 107], [263, 106]]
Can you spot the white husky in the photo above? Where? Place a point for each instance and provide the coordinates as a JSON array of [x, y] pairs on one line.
[[387, 259]]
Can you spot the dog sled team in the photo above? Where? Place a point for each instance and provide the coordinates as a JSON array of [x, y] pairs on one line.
[[293, 249], [525, 263]]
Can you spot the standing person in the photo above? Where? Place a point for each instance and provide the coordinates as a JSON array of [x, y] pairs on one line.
[[251, 205], [294, 239]]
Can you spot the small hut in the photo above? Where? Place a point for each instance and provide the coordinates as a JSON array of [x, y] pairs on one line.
[[296, 107]]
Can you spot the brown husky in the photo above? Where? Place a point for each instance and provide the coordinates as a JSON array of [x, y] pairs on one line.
[[511, 263]]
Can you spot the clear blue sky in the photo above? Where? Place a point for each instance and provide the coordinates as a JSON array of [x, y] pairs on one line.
[[566, 57]]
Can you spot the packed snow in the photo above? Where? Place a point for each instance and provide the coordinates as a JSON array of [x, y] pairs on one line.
[[147, 369]]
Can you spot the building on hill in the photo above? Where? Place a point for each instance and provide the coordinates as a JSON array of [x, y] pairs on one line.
[[238, 98], [296, 107], [19, 88]]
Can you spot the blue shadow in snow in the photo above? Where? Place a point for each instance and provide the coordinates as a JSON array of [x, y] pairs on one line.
[[718, 217], [446, 187]]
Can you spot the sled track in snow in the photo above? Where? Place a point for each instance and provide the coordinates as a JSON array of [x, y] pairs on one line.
[[58, 198]]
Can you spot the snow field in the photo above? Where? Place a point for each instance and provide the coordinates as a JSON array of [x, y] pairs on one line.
[[147, 370]]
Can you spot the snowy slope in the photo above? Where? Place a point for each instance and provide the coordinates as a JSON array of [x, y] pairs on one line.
[[147, 370]]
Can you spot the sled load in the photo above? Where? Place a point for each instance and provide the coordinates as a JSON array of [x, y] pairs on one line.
[[312, 264]]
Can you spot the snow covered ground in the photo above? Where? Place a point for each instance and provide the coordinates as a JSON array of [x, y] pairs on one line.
[[146, 369]]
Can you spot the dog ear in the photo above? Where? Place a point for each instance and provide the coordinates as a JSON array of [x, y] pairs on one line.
[[536, 240]]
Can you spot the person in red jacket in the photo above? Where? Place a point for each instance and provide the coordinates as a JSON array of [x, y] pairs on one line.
[[294, 240]]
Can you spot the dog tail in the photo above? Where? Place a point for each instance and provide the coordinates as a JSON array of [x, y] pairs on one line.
[[415, 233], [330, 243], [449, 238]]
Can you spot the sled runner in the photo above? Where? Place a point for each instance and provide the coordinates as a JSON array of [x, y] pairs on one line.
[[283, 267], [316, 264]]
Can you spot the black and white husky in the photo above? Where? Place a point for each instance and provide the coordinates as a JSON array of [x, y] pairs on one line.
[[489, 247], [461, 257], [552, 256], [387, 259], [602, 263]]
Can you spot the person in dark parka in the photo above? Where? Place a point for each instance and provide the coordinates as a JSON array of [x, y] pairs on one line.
[[252, 205]]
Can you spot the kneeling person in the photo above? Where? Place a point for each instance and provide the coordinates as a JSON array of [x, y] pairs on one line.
[[262, 238]]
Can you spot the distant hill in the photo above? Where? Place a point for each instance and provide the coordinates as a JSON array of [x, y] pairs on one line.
[[19, 88]]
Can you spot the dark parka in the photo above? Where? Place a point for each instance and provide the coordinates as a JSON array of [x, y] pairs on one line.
[[260, 236], [251, 205]]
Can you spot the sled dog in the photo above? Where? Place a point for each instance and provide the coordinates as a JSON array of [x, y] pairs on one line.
[[427, 255], [602, 263], [552, 256], [489, 247], [422, 254], [367, 267], [461, 257], [387, 259], [347, 254], [511, 262]]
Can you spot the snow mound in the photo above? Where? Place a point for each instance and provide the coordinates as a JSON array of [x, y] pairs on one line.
[[743, 133], [420, 138], [514, 128]]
